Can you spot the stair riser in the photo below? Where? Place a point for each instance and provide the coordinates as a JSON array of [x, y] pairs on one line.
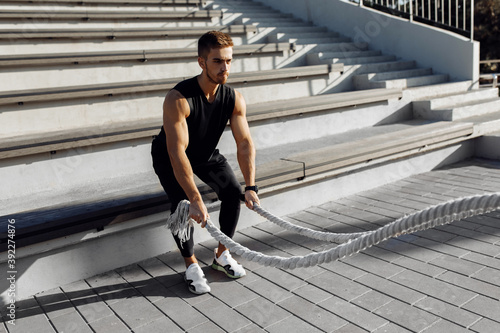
[[458, 112], [416, 81], [477, 96]]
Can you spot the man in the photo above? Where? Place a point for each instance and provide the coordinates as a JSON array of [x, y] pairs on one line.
[[195, 114]]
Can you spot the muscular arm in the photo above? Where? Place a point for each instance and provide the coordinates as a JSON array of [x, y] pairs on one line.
[[245, 149], [175, 112]]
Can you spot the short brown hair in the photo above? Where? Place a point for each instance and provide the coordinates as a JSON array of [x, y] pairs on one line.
[[213, 40]]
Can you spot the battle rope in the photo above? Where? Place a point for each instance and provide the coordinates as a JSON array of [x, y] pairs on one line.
[[425, 219]]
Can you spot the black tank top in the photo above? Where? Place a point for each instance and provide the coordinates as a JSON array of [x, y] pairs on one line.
[[206, 121]]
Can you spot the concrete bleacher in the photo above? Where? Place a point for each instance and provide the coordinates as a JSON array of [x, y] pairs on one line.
[[79, 107]]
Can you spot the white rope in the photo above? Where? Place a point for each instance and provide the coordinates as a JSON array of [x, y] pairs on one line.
[[428, 218]]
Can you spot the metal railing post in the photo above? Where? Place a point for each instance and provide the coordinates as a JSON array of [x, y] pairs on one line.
[[411, 10], [471, 20]]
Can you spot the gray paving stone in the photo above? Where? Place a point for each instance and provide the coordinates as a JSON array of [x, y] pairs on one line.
[[313, 314], [392, 328], [207, 327], [373, 265], [180, 312], [292, 324], [162, 324], [406, 316], [372, 300], [439, 248], [419, 266], [475, 246], [281, 277], [314, 220], [270, 290], [222, 315], [409, 250], [473, 234], [486, 325], [438, 234], [483, 260], [457, 265], [70, 322], [382, 253], [136, 311], [307, 273], [262, 312], [339, 285], [161, 272], [484, 306], [32, 323], [350, 328], [143, 283], [55, 303], [447, 311], [472, 284], [446, 326], [348, 271], [251, 328], [111, 287], [353, 314], [488, 275], [433, 287], [312, 293], [90, 306], [391, 288], [109, 324], [231, 292]]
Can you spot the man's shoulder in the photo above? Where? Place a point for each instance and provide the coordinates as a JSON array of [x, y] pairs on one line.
[[187, 85]]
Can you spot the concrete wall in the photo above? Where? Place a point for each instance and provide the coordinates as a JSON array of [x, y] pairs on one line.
[[444, 51]]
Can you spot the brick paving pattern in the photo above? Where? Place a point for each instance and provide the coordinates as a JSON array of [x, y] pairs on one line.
[[442, 280]]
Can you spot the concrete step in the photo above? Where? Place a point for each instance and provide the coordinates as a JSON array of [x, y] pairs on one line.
[[435, 91], [296, 36], [348, 46], [404, 83], [324, 58], [383, 67], [417, 81], [451, 100], [315, 40], [461, 111]]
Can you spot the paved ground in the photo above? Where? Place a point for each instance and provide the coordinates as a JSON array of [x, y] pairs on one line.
[[441, 280]]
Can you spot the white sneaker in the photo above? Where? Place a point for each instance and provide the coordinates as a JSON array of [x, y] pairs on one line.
[[225, 263], [197, 283]]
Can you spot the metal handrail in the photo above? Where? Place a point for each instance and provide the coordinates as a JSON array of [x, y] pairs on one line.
[[455, 15]]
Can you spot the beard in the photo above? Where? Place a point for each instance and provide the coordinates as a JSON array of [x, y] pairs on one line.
[[219, 79]]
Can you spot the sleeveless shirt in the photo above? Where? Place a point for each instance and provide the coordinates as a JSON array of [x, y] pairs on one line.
[[206, 121]]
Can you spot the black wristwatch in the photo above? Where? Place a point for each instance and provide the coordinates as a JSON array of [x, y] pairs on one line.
[[252, 188]]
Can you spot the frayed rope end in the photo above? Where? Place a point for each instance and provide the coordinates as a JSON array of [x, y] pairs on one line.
[[180, 223]]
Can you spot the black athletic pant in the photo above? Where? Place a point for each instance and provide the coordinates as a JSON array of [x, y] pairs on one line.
[[217, 174]]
